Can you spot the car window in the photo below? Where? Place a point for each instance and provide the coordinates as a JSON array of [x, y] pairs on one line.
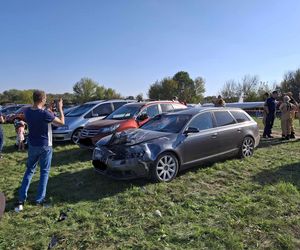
[[125, 112], [202, 121], [151, 111], [118, 104], [171, 123], [103, 109], [80, 110], [223, 118], [166, 107], [240, 116]]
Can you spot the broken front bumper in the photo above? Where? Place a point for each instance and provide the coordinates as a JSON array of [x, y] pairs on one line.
[[107, 163]]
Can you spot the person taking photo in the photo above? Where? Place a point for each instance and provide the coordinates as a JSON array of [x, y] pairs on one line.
[[39, 122]]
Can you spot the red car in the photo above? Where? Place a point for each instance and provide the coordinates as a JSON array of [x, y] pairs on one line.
[[131, 115], [19, 114]]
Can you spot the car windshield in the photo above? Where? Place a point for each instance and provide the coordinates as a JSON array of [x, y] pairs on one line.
[[125, 112], [80, 110], [167, 123]]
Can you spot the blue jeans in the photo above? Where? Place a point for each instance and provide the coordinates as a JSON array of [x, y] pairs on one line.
[[269, 124], [43, 155], [1, 139]]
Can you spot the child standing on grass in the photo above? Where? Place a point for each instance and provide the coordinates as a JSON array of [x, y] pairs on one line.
[[20, 130]]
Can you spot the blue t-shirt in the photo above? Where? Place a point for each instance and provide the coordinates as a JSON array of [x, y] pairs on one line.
[[39, 126], [271, 105]]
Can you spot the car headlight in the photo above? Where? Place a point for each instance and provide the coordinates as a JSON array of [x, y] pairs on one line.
[[110, 129], [64, 127]]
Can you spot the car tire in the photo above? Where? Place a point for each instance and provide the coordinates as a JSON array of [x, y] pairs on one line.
[[165, 168], [247, 147], [75, 135]]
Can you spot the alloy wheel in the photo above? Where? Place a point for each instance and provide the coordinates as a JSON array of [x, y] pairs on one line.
[[166, 168], [247, 147]]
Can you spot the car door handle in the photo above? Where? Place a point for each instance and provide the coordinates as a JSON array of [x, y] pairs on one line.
[[239, 130], [214, 135]]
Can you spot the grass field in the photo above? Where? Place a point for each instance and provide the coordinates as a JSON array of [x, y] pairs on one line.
[[235, 204]]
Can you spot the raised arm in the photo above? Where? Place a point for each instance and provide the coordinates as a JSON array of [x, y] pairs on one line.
[[60, 120]]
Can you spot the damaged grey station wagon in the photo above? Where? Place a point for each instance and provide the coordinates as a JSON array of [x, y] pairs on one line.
[[172, 142]]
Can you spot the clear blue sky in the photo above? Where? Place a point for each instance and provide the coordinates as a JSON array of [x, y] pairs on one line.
[[127, 45]]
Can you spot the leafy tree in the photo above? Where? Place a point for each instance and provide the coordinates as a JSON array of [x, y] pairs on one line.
[[199, 89], [139, 97], [111, 94], [249, 88], [180, 85], [291, 83], [230, 91], [85, 90]]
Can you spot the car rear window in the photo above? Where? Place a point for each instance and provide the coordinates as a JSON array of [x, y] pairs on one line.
[[240, 116], [223, 118]]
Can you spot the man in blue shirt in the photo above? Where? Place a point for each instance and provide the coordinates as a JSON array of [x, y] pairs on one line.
[[1, 134], [40, 145], [271, 111]]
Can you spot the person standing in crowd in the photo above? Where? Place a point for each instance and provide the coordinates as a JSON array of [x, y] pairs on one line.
[[39, 146], [293, 113], [287, 111], [1, 135], [271, 111], [220, 102], [265, 111]]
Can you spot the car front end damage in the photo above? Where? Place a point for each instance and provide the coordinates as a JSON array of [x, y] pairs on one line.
[[128, 154], [122, 162]]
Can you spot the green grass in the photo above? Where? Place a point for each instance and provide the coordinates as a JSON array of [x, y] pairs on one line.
[[235, 204]]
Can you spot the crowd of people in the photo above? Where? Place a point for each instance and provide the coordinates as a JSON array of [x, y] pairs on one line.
[[288, 108]]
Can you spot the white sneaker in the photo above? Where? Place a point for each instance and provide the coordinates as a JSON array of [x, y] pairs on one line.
[[19, 207]]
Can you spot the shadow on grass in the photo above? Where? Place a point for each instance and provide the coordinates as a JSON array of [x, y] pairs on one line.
[[287, 173], [274, 142], [71, 156], [83, 185]]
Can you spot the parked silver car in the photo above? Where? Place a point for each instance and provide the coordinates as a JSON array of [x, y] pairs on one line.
[[172, 142], [81, 115]]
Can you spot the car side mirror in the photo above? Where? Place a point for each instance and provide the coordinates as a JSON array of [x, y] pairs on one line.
[[142, 117], [191, 130]]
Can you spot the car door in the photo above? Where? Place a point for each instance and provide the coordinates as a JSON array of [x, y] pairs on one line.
[[228, 131], [202, 144]]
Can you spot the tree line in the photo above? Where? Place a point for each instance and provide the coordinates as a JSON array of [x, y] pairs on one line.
[[181, 85]]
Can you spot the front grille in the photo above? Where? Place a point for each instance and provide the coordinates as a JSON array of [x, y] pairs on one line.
[[89, 132]]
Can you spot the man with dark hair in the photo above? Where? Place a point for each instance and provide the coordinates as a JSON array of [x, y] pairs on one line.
[[39, 146], [1, 135], [271, 111]]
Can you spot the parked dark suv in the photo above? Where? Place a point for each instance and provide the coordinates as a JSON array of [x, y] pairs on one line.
[[172, 142], [131, 115]]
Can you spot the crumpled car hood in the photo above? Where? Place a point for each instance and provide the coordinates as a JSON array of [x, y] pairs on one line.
[[131, 137]]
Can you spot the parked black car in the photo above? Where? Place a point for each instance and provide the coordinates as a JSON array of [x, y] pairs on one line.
[[172, 142]]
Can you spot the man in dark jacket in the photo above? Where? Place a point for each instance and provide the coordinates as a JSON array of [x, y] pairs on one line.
[[271, 111]]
